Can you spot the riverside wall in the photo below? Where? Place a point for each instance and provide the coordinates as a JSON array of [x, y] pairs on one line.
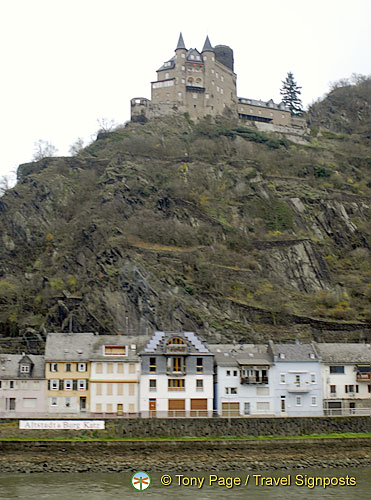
[[200, 427]]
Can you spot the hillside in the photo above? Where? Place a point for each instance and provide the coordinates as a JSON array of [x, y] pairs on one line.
[[207, 226]]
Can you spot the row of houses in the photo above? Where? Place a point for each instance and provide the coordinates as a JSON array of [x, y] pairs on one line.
[[176, 374]]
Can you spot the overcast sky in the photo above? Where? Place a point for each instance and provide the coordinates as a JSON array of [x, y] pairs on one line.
[[67, 63]]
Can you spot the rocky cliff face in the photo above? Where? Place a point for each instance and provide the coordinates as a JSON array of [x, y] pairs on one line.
[[213, 227]]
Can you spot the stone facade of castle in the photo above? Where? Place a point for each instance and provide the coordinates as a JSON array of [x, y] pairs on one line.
[[204, 83]]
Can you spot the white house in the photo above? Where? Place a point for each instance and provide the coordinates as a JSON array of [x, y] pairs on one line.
[[346, 375], [243, 383], [177, 376], [296, 375], [22, 385], [115, 374]]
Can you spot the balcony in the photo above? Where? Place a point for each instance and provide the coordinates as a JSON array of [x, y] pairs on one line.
[[194, 88], [363, 376], [299, 388], [254, 380]]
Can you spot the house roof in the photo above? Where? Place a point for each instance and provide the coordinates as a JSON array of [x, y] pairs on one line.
[[69, 346], [134, 345], [9, 366], [344, 353], [240, 354], [295, 352], [158, 343]]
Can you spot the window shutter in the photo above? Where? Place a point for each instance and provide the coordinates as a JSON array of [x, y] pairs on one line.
[[357, 388], [61, 385], [346, 388], [87, 384], [74, 385], [48, 385]]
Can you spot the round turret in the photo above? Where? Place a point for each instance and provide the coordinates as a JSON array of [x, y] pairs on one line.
[[224, 55]]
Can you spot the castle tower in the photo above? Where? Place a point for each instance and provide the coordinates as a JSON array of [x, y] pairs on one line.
[[208, 56]]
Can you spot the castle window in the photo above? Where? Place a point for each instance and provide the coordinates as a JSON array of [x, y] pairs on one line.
[[194, 96], [212, 71], [166, 75], [217, 88], [183, 81], [222, 78], [205, 58], [217, 74], [183, 68], [221, 91], [206, 96], [271, 114], [212, 82], [190, 81], [283, 116], [213, 58], [183, 56], [179, 94], [192, 56]]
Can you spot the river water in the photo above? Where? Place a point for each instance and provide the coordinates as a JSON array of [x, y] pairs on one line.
[[115, 486]]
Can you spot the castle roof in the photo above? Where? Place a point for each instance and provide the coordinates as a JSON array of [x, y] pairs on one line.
[[207, 45], [181, 44], [263, 104], [170, 64], [194, 55]]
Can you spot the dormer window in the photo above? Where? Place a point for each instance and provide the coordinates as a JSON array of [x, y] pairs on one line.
[[115, 350], [25, 369], [176, 341]]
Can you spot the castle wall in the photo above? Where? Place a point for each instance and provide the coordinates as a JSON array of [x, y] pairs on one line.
[[264, 114]]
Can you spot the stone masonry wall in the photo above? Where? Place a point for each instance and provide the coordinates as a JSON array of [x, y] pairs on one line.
[[203, 427]]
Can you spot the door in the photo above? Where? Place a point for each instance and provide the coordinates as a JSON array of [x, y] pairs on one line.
[[334, 408], [120, 408], [82, 403], [230, 409], [152, 407], [352, 408], [247, 409], [176, 408], [283, 404], [199, 407]]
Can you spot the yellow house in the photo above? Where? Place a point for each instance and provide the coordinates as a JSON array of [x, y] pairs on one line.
[[67, 371]]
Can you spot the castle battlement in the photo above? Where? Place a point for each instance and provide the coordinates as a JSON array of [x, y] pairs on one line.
[[203, 83]]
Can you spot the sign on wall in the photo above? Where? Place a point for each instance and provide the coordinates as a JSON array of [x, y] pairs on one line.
[[77, 425]]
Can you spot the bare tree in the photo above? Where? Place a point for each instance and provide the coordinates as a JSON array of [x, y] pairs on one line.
[[43, 149], [106, 125], [76, 147]]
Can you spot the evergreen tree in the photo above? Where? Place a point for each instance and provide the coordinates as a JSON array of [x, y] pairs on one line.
[[290, 95]]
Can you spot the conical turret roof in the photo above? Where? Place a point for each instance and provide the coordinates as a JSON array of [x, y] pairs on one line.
[[180, 43], [207, 45]]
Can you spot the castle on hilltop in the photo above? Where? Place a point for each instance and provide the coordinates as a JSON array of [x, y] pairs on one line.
[[203, 83]]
